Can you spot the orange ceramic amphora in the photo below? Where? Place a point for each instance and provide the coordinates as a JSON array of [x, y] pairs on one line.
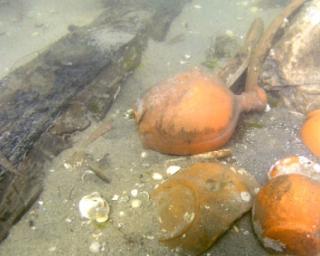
[[310, 132], [286, 212], [286, 215], [192, 113]]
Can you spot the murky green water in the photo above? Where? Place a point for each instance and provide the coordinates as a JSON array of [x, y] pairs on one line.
[[53, 226]]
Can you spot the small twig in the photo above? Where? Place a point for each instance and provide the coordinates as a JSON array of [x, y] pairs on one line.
[[234, 69], [70, 192], [265, 44], [98, 171], [97, 133], [216, 154]]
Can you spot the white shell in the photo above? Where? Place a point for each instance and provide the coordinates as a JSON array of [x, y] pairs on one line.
[[94, 207], [245, 196], [134, 192], [157, 176], [115, 197], [172, 169], [143, 154], [136, 203], [95, 247]]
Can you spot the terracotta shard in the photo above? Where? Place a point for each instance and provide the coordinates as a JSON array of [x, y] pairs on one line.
[[286, 215], [199, 203], [310, 132]]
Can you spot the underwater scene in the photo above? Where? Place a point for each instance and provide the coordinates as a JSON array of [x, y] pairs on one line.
[[160, 127]]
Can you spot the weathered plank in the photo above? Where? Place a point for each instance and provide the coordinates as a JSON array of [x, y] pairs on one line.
[[84, 67]]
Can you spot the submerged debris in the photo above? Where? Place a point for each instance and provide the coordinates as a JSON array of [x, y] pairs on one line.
[[136, 203], [215, 154], [157, 176], [310, 132], [199, 203], [94, 208], [286, 215], [84, 160], [172, 169], [98, 171], [295, 164], [95, 247]]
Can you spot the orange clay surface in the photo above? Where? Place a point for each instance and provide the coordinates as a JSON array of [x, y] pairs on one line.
[[310, 132], [200, 202], [190, 113], [286, 215], [295, 164]]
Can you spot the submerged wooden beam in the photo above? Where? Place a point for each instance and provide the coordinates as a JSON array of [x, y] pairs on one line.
[[84, 67]]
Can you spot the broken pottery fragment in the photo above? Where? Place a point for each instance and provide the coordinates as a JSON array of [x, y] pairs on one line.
[[295, 164], [310, 132], [286, 213], [199, 203], [292, 66]]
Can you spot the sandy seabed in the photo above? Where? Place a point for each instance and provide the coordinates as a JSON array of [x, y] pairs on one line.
[[53, 226]]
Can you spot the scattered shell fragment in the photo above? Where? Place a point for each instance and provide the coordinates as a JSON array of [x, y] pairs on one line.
[[136, 203], [268, 108], [157, 176], [95, 208], [245, 196], [124, 199], [134, 192], [129, 114], [143, 154], [149, 237], [67, 166], [68, 220], [172, 169], [95, 247], [189, 217], [245, 232], [52, 249], [229, 33], [115, 197]]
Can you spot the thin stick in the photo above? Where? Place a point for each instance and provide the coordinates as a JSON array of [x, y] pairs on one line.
[[102, 129], [231, 72], [265, 44]]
